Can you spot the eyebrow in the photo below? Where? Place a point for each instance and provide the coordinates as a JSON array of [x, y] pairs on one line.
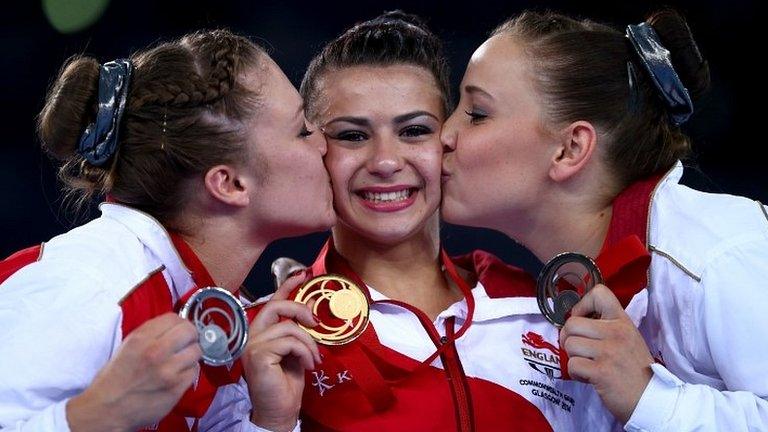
[[359, 121], [362, 121], [475, 89], [412, 115], [299, 111]]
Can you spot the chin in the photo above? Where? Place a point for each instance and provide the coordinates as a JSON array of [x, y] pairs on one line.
[[391, 235]]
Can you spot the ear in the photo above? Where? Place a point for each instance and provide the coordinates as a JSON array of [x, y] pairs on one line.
[[577, 145], [225, 184]]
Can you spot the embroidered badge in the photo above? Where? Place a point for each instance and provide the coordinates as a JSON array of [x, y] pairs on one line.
[[321, 381], [542, 356]]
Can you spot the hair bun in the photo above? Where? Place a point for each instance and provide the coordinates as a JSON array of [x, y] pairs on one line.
[[677, 37], [70, 106]]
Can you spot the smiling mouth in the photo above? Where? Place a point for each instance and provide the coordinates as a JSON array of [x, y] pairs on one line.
[[387, 197]]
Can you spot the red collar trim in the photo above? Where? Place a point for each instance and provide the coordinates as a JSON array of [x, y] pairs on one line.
[[624, 258], [330, 261], [498, 278], [200, 275], [630, 212]]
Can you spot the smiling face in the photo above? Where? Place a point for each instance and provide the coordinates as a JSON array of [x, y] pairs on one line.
[[498, 150], [384, 153]]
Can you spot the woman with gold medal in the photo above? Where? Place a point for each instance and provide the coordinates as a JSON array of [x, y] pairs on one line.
[[426, 342]]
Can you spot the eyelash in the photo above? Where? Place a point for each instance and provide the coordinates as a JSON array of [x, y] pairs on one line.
[[305, 132], [476, 117], [354, 136], [414, 131]]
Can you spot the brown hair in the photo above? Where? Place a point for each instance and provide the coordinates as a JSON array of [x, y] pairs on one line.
[[184, 112], [582, 71], [393, 38]]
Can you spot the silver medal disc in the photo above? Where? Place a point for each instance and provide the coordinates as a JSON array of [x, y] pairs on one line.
[[221, 322], [563, 281]]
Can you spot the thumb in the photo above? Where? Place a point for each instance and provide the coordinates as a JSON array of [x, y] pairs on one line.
[[290, 284], [599, 302]]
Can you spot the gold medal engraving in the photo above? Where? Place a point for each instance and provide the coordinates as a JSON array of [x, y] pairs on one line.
[[341, 306]]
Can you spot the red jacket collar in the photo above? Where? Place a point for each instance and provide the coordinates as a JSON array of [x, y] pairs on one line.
[[624, 258], [200, 275], [498, 278], [630, 212]]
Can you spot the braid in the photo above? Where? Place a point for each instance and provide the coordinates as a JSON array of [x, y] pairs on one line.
[[187, 100], [208, 84], [224, 66]]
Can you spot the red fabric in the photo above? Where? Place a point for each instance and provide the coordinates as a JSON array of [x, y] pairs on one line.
[[630, 211], [498, 278], [462, 395], [624, 258], [149, 300], [624, 267], [423, 400], [153, 298], [415, 395]]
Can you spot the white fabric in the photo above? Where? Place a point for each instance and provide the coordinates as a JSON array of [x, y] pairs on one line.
[[707, 313], [492, 350], [60, 319]]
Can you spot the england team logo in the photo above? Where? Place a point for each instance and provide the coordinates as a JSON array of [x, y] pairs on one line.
[[542, 356]]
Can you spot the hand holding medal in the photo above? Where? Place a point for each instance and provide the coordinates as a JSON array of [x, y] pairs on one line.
[[563, 281], [338, 303], [221, 323]]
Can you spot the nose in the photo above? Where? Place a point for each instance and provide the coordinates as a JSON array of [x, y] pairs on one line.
[[385, 159], [448, 135]]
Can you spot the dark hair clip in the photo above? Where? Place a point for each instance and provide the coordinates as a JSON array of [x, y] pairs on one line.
[[99, 141], [656, 60], [635, 96]]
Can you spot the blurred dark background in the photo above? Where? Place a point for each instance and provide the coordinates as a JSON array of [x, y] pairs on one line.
[[36, 37]]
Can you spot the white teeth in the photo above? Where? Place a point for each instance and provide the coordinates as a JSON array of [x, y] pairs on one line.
[[387, 196]]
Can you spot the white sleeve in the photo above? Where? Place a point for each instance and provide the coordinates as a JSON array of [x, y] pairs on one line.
[[231, 411], [734, 322], [57, 329]]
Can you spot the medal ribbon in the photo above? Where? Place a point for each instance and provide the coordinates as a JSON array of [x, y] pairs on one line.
[[356, 354]]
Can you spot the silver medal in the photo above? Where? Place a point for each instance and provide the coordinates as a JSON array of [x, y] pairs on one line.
[[563, 281], [221, 322]]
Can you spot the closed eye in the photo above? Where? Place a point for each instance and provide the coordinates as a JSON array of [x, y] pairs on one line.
[[476, 116], [305, 131]]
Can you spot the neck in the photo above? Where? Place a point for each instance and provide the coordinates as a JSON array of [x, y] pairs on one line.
[[568, 225], [226, 251], [407, 271]]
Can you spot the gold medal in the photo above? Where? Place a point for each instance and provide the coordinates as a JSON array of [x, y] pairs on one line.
[[341, 306]]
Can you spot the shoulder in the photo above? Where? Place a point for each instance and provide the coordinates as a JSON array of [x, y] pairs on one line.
[[497, 277], [98, 259], [693, 229]]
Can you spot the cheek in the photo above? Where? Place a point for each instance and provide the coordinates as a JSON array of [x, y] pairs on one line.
[[428, 160], [340, 167], [480, 151]]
